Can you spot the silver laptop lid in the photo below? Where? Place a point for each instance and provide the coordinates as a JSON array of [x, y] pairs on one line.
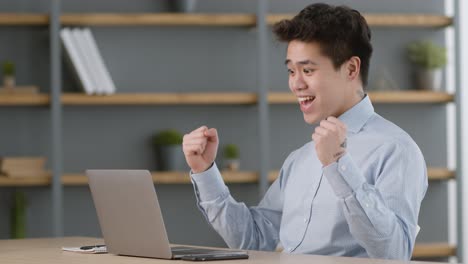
[[129, 214]]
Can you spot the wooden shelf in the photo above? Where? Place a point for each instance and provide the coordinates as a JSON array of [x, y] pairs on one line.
[[24, 99], [24, 182], [182, 178], [393, 97], [23, 19], [412, 20], [232, 177], [388, 20], [436, 174], [158, 19], [398, 97], [172, 177], [200, 19], [433, 174], [161, 99], [74, 179], [434, 250], [402, 97]]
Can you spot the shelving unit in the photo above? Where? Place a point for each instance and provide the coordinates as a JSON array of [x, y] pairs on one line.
[[59, 100]]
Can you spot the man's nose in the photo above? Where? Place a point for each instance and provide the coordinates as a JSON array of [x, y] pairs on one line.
[[299, 83]]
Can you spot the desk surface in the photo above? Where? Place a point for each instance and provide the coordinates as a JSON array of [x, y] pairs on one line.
[[48, 251]]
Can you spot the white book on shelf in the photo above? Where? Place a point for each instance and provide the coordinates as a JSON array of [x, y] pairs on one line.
[[87, 59], [101, 69], [76, 61], [92, 61]]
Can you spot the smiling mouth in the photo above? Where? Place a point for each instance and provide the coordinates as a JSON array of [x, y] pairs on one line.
[[305, 100]]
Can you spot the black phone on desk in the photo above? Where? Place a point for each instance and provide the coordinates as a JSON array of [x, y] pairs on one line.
[[217, 256]]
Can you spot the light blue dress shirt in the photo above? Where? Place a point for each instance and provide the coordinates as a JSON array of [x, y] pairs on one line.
[[365, 205]]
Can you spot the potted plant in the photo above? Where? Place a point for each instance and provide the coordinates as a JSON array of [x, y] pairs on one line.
[[168, 147], [182, 6], [429, 59], [231, 157], [18, 215], [9, 75]]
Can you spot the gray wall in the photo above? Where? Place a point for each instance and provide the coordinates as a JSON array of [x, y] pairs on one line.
[[182, 59]]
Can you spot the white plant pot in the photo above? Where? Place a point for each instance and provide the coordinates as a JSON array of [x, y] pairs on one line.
[[232, 164], [9, 81], [429, 79]]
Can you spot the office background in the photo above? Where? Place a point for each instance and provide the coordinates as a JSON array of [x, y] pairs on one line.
[[193, 59]]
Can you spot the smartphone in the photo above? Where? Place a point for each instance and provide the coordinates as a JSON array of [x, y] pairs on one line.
[[223, 256]]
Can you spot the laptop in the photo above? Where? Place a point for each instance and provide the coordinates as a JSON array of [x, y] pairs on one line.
[[131, 221]]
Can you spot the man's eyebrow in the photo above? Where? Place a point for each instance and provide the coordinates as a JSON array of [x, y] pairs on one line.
[[304, 62]]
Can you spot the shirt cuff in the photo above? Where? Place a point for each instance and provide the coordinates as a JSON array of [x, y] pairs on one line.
[[209, 184], [344, 176]]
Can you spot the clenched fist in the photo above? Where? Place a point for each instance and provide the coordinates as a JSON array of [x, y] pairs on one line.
[[330, 140], [200, 147]]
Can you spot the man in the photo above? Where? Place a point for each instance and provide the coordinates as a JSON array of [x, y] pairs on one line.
[[356, 188]]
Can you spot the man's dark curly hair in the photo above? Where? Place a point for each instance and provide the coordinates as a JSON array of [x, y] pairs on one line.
[[340, 31]]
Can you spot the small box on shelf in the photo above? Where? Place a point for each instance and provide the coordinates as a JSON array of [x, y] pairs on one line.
[[18, 90], [23, 167]]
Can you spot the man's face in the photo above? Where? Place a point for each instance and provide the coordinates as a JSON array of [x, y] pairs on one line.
[[319, 88]]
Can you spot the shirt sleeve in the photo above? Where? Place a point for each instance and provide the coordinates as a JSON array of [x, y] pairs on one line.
[[383, 215], [255, 228]]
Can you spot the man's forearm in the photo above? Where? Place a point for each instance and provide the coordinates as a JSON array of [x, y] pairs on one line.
[[254, 228]]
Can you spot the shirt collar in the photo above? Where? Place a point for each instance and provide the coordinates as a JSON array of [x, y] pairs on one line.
[[357, 116]]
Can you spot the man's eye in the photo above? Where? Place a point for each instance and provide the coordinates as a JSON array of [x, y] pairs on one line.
[[290, 71], [308, 71]]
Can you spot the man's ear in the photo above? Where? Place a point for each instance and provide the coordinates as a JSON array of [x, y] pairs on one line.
[[353, 68]]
